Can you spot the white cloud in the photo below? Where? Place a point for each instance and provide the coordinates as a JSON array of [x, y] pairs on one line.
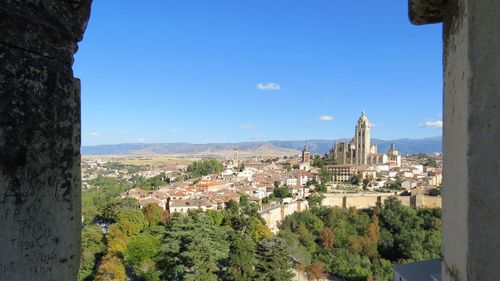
[[174, 131], [107, 133], [248, 126], [141, 140], [326, 118], [270, 86], [432, 124]]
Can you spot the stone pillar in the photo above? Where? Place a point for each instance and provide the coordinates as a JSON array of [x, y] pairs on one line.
[[40, 195], [471, 198]]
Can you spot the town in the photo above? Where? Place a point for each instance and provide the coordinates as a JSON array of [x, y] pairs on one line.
[[352, 174]]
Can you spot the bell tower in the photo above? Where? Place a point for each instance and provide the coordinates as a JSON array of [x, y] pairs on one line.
[[306, 155], [362, 140]]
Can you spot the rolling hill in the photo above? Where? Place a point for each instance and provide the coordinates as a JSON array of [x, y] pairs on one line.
[[270, 148]]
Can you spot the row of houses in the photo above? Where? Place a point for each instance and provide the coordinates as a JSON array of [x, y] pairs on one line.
[[213, 191], [408, 176]]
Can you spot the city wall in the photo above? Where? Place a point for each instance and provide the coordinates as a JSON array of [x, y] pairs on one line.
[[274, 216]]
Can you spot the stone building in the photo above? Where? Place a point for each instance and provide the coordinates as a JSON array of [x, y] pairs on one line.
[[358, 150], [342, 173], [306, 160], [306, 155], [393, 156]]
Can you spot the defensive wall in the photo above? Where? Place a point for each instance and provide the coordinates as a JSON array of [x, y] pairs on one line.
[[275, 215]]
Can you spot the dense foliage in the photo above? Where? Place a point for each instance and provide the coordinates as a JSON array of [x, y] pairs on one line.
[[105, 192], [362, 245], [235, 244], [320, 161], [435, 191], [150, 183], [147, 245], [204, 167]]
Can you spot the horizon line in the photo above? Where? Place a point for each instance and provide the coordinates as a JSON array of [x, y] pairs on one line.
[[257, 141]]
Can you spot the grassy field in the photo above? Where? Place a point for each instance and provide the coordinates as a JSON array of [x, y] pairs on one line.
[[155, 161]]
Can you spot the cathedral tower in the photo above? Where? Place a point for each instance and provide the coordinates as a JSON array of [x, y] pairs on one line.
[[362, 140]]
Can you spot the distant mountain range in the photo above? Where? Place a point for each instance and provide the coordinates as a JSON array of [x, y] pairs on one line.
[[269, 148]]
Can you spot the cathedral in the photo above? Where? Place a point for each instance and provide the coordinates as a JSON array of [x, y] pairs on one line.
[[359, 151]]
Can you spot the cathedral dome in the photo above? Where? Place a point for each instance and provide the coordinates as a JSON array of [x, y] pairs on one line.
[[363, 117]]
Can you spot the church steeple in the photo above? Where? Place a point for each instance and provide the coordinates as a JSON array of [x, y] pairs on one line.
[[306, 155]]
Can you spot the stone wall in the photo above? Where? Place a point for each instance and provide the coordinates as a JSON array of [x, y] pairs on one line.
[[276, 215], [40, 139]]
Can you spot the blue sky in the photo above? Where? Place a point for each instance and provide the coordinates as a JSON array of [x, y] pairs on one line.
[[162, 71]]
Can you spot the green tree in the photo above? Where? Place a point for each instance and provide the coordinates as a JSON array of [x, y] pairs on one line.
[[382, 270], [232, 206], [329, 159], [131, 222], [257, 229], [273, 261], [109, 211], [361, 244], [315, 200], [287, 167], [306, 237], [349, 266], [282, 192], [103, 191], [320, 188], [117, 241], [92, 248], [325, 175], [435, 191], [193, 246], [297, 251], [431, 162], [307, 218], [142, 249], [239, 265], [318, 161], [408, 234], [204, 167], [355, 179]]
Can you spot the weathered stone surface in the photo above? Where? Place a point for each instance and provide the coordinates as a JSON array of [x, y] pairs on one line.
[[39, 168], [426, 11], [45, 27], [471, 212], [40, 194]]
